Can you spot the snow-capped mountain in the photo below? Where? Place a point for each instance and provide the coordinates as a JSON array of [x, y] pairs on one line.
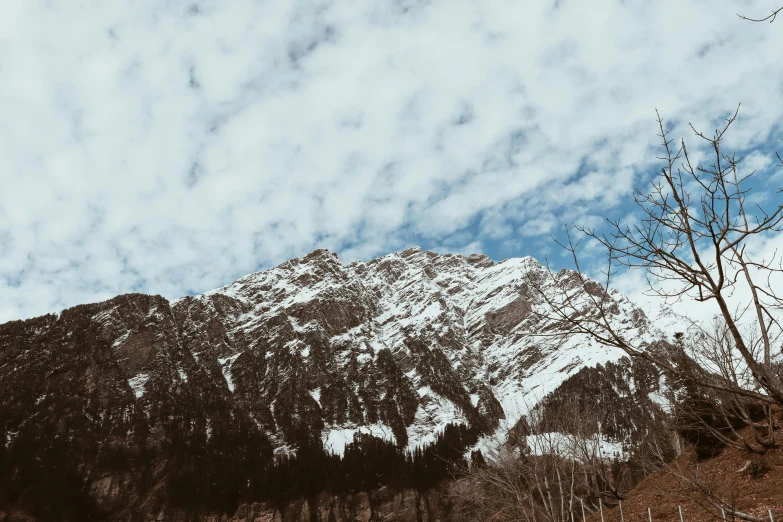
[[397, 347]]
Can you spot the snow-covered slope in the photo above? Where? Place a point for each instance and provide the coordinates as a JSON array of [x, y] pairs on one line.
[[398, 347]]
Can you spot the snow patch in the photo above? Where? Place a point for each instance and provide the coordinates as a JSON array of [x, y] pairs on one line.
[[432, 416], [570, 446], [433, 310], [336, 439], [121, 339], [225, 364], [137, 383]]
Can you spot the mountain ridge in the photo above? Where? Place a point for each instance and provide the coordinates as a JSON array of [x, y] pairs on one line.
[[311, 352], [467, 307]]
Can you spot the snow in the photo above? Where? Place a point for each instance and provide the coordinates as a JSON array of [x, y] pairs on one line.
[[669, 322], [661, 400], [562, 444], [453, 304], [376, 345], [316, 395], [571, 446], [335, 439], [424, 390], [432, 416], [303, 295], [121, 339], [104, 315], [433, 310], [137, 383], [225, 364]]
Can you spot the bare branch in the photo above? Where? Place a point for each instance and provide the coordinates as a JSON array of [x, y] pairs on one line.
[[771, 17]]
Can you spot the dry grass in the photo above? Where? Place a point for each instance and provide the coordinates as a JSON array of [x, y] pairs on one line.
[[756, 488]]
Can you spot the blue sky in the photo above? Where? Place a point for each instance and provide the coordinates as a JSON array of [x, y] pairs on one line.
[[172, 147]]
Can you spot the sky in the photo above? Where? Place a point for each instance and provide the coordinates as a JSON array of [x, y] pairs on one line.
[[172, 147]]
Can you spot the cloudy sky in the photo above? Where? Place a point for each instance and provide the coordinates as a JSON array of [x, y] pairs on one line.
[[169, 147]]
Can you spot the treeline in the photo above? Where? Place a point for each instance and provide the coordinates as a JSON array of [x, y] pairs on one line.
[[39, 475], [618, 394], [367, 464]]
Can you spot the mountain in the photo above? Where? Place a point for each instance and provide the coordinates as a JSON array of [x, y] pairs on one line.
[[441, 338], [312, 352]]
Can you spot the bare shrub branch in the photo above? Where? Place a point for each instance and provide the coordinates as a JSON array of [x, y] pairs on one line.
[[771, 17], [694, 241], [691, 243]]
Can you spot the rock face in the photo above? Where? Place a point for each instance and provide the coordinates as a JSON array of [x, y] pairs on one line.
[[399, 346], [313, 349]]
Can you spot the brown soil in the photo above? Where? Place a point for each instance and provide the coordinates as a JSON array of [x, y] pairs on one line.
[[662, 492]]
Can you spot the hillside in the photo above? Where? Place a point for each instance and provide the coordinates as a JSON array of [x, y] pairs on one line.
[[755, 482]]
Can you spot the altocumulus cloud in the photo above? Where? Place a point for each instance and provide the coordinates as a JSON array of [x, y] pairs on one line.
[[169, 147]]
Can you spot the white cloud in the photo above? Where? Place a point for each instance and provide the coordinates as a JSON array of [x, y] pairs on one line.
[[169, 147]]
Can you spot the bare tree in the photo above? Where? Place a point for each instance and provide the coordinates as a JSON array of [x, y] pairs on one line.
[[692, 244], [576, 427], [499, 491], [718, 414], [551, 461]]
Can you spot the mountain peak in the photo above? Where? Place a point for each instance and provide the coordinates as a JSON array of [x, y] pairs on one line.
[[320, 254], [480, 260]]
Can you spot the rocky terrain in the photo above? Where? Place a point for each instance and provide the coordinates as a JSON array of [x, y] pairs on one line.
[[107, 401]]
